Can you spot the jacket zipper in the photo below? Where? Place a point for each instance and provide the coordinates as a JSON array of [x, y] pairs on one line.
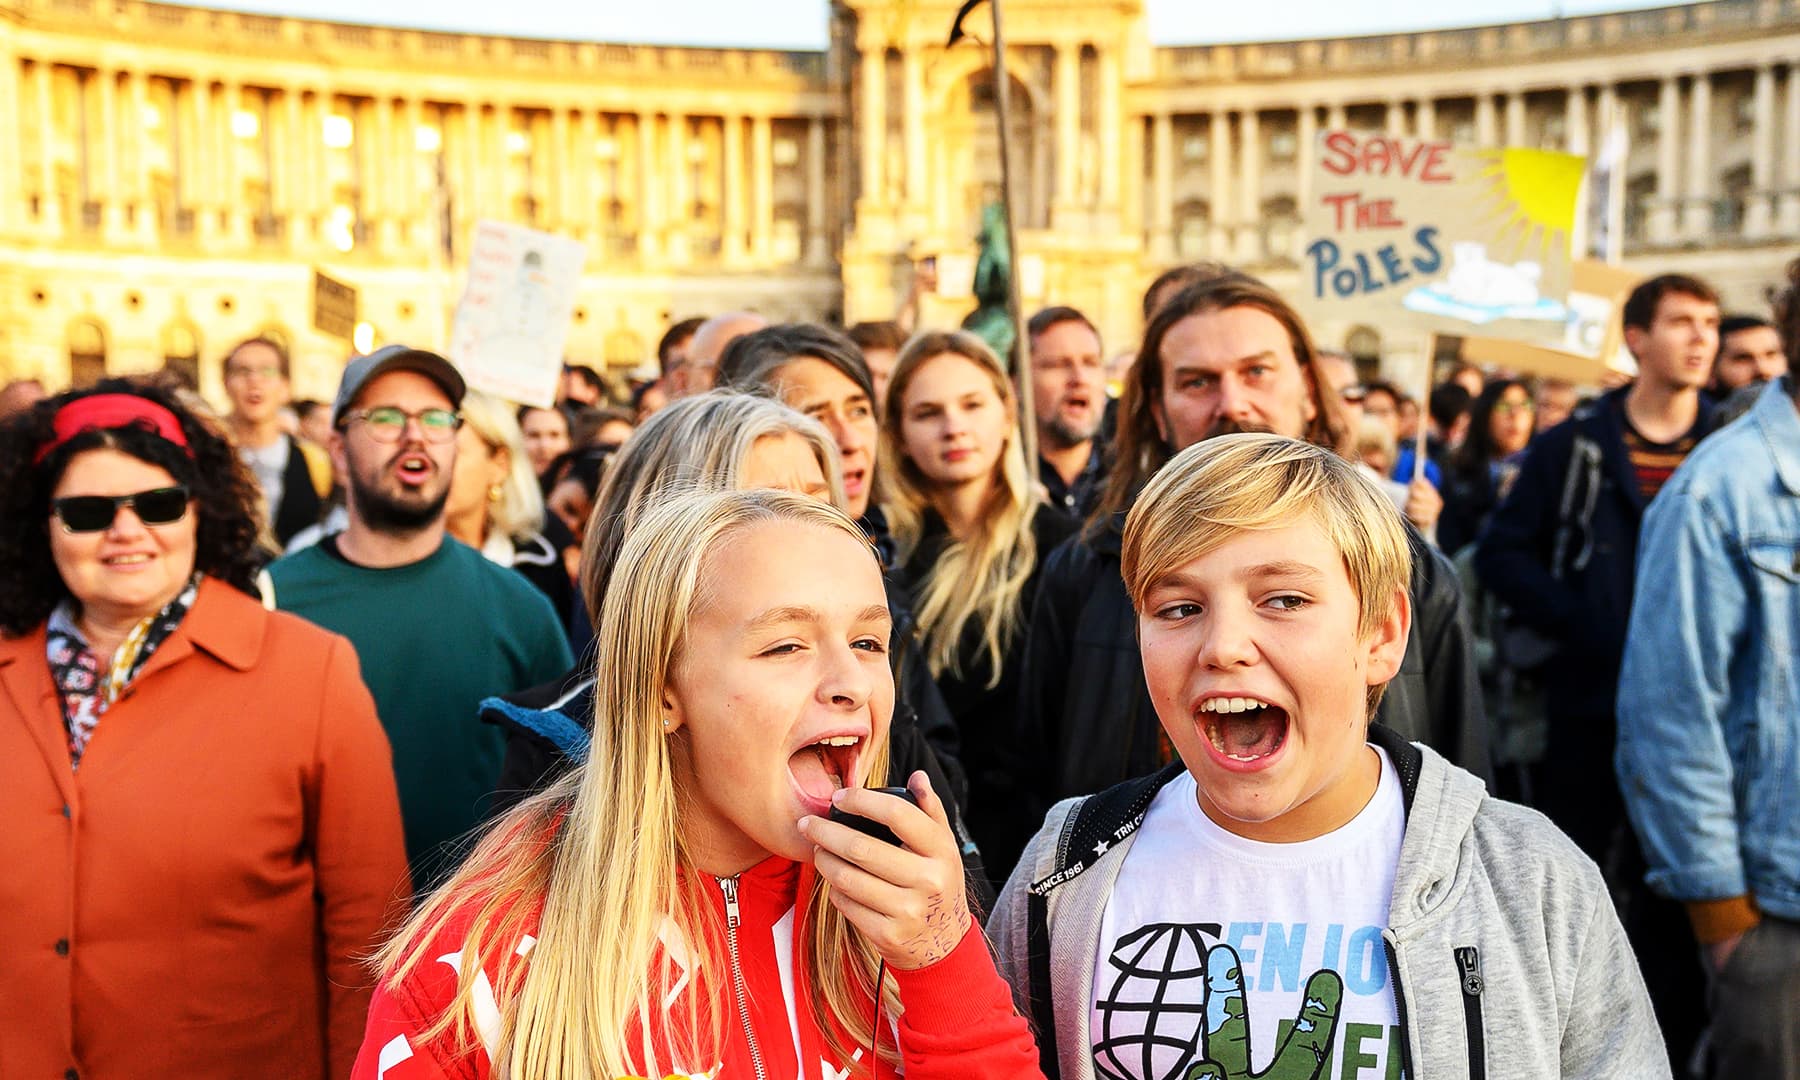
[[1468, 962], [1393, 958], [729, 886]]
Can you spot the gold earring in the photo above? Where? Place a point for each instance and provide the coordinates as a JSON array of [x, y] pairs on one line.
[[494, 493]]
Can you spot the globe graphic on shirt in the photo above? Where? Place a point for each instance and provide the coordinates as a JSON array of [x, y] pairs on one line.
[[1152, 1007]]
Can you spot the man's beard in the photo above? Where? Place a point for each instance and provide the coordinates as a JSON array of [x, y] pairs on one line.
[[395, 514], [383, 513], [1063, 435]]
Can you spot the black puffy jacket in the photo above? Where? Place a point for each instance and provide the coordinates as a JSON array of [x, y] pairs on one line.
[[1085, 717]]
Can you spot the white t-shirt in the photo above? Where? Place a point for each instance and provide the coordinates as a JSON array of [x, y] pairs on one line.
[[269, 463], [1287, 911]]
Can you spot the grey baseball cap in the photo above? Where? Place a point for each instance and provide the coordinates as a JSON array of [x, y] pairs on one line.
[[396, 358]]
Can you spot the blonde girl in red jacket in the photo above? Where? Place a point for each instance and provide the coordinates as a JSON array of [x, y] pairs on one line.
[[681, 907]]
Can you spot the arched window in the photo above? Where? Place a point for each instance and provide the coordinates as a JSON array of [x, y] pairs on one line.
[[181, 352], [1280, 229], [87, 352], [1363, 343], [1193, 223]]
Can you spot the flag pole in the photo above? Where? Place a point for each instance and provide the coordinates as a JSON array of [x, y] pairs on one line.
[[1021, 358]]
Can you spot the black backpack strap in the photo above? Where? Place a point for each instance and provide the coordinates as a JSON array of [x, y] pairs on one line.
[[1037, 955], [1088, 835]]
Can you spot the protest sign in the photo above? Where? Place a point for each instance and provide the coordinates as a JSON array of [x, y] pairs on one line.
[[1593, 340], [1426, 234], [333, 307], [507, 337]]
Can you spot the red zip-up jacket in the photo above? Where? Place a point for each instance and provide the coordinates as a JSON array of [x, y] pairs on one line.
[[958, 1019]]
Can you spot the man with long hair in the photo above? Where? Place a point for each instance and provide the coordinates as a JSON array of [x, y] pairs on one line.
[[1225, 354]]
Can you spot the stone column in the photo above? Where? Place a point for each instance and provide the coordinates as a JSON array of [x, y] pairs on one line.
[[818, 251], [1425, 118], [1335, 117], [1305, 150], [383, 178], [12, 180], [1487, 132], [1787, 206], [416, 204], [584, 216], [294, 148], [474, 194], [873, 126], [1219, 188], [563, 173], [649, 195], [731, 232], [1759, 214], [1664, 217], [1395, 118], [912, 79], [1249, 231], [1575, 134], [111, 198], [762, 189], [1697, 212], [1131, 189], [142, 196], [1068, 123], [231, 195], [1515, 119], [49, 198], [500, 161], [1162, 187], [204, 153], [680, 216], [1111, 156]]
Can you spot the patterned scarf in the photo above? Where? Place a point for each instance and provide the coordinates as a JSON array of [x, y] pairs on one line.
[[87, 686]]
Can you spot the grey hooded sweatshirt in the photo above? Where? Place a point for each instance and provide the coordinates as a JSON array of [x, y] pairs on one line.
[[1503, 945]]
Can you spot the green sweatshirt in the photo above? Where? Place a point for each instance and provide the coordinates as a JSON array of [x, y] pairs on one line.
[[434, 638]]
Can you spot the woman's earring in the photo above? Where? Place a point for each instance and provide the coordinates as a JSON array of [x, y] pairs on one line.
[[494, 493]]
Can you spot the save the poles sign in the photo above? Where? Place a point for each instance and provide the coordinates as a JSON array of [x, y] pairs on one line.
[[1424, 233]]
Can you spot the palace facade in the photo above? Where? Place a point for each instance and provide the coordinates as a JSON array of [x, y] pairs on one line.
[[171, 176]]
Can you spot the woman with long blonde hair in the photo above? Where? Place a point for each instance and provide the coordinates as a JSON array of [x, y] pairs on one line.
[[970, 532], [682, 906]]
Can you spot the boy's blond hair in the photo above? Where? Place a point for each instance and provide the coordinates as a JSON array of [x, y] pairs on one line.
[[1218, 488]]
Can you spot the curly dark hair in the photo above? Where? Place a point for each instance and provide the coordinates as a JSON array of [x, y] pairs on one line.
[[223, 489]]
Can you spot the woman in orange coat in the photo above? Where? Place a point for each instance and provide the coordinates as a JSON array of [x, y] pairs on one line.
[[198, 825]]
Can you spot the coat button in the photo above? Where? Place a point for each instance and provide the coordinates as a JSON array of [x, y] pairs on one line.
[[71, 1074], [62, 946], [67, 812]]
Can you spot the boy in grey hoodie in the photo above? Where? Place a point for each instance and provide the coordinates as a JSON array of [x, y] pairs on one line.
[[1307, 896]]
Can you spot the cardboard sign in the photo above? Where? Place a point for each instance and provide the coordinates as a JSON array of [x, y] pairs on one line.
[[508, 334], [1593, 341], [1426, 234], [333, 307]]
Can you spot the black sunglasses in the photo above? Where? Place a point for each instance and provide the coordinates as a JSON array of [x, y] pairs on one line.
[[92, 513]]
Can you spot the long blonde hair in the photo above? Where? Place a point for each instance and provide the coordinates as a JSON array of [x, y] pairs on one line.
[[977, 579], [604, 851], [519, 512], [697, 442]]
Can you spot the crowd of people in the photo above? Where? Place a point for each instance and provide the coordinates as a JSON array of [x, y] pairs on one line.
[[779, 714]]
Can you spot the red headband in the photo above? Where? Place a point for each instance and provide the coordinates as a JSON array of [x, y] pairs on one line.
[[99, 412]]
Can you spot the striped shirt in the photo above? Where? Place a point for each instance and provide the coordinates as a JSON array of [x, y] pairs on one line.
[[1655, 462]]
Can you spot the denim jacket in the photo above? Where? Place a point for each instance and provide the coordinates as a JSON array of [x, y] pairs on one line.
[[1709, 698]]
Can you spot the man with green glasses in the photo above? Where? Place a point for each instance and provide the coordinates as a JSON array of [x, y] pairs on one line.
[[436, 626]]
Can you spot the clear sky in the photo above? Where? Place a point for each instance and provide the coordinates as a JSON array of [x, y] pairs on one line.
[[801, 23]]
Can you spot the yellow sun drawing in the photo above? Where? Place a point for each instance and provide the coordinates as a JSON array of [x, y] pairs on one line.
[[1532, 194]]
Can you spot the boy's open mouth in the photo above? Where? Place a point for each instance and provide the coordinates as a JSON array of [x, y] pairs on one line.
[[1243, 729]]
